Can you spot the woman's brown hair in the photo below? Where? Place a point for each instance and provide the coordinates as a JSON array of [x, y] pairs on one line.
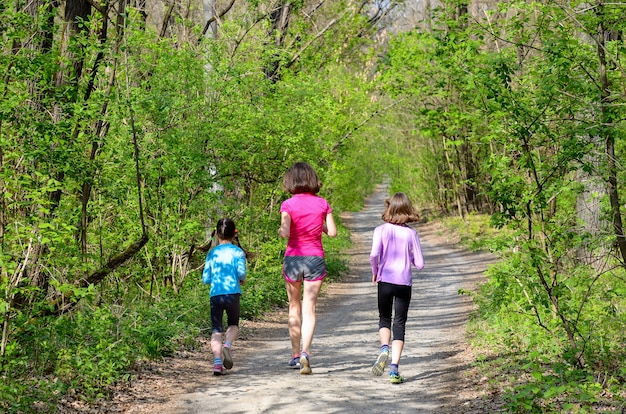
[[399, 210], [301, 178]]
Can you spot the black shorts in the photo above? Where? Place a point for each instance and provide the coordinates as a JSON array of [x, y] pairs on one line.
[[224, 303]]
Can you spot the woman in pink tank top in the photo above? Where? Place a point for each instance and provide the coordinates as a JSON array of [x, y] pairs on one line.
[[304, 218]]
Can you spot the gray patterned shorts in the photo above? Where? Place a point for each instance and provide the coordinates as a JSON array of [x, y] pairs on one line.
[[308, 268]]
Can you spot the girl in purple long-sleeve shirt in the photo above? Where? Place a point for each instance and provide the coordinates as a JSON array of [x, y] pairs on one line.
[[395, 248]]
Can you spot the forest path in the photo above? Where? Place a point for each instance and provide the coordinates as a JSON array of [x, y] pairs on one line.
[[344, 347]]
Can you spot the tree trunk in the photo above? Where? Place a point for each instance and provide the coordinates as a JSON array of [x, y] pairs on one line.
[[279, 20], [588, 206], [607, 120], [209, 16]]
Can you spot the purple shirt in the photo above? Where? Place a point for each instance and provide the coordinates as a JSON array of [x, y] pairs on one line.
[[308, 213], [394, 248]]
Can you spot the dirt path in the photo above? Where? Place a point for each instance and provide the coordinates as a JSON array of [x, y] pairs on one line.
[[344, 347]]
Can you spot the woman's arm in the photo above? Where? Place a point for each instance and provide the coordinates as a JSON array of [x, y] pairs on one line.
[[285, 225], [329, 226]]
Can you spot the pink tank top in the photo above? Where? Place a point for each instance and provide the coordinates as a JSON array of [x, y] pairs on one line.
[[308, 213]]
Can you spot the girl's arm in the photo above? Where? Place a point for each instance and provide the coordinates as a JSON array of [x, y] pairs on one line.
[[374, 263], [285, 225], [241, 268], [330, 227], [206, 273], [374, 253], [418, 258]]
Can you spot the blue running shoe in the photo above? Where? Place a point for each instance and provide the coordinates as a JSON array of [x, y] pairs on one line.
[[380, 364], [305, 364], [228, 357], [294, 363], [396, 378]]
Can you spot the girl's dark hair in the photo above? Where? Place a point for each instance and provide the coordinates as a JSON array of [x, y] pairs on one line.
[[301, 178], [225, 229], [399, 210]]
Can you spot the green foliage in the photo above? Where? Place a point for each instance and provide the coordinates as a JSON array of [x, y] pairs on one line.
[[536, 383], [83, 354], [262, 292], [516, 320], [436, 154], [476, 232]]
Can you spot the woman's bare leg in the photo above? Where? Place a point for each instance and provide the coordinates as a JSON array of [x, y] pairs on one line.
[[295, 314], [309, 303]]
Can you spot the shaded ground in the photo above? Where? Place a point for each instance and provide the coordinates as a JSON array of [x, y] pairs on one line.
[[435, 361]]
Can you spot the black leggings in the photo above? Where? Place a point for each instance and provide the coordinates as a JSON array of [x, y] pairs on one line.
[[398, 298]]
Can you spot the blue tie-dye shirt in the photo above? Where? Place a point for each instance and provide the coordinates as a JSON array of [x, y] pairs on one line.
[[224, 268]]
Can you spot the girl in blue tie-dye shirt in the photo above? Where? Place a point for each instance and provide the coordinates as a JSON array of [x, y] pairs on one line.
[[225, 271]]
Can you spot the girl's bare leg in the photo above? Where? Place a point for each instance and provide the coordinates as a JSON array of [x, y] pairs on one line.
[[385, 336], [383, 358], [216, 344], [231, 333], [396, 351]]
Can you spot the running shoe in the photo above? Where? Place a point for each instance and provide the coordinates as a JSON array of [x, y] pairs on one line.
[[380, 364], [218, 369], [305, 365], [294, 362], [228, 357], [396, 378]]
